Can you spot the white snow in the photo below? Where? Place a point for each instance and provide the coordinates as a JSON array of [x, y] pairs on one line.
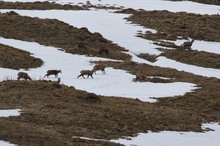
[[188, 6], [170, 138], [114, 83], [4, 143], [118, 82], [11, 112], [113, 27]]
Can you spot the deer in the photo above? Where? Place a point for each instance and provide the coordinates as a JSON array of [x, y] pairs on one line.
[[140, 77], [53, 72], [100, 67], [82, 46], [23, 75], [86, 72], [187, 45], [103, 51]]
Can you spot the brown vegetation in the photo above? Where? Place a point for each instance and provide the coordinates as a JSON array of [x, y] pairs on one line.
[[37, 6], [103, 51], [17, 59], [148, 57], [51, 33], [194, 57], [52, 113], [171, 25]]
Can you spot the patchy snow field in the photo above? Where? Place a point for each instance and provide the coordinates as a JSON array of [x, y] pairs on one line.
[[113, 83], [144, 4], [118, 82]]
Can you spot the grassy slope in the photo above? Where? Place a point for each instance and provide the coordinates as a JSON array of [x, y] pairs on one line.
[[53, 113], [17, 59], [58, 34]]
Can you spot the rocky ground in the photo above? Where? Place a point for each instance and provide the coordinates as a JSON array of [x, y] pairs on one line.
[[52, 113]]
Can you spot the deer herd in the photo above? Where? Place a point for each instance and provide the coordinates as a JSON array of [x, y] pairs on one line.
[[89, 73], [140, 76]]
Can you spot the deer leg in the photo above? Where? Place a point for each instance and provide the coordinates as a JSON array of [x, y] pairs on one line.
[[80, 76]]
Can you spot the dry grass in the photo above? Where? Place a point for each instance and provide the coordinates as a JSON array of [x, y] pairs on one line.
[[148, 57], [17, 59], [194, 57], [38, 6], [52, 33], [171, 25], [53, 113]]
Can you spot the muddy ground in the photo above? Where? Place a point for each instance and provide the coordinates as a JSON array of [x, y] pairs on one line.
[[52, 113]]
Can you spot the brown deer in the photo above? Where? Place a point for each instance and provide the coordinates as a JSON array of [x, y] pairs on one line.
[[86, 72], [53, 72], [140, 77], [23, 75], [82, 46], [187, 45], [103, 51], [100, 67]]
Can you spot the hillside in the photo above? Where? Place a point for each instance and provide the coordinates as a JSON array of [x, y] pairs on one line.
[[57, 114]]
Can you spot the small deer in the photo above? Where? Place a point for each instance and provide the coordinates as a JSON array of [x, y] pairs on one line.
[[23, 75], [82, 46], [103, 51], [86, 72], [187, 45], [140, 77], [53, 72], [100, 67]]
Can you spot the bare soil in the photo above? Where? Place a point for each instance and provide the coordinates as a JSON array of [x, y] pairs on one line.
[[52, 113]]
